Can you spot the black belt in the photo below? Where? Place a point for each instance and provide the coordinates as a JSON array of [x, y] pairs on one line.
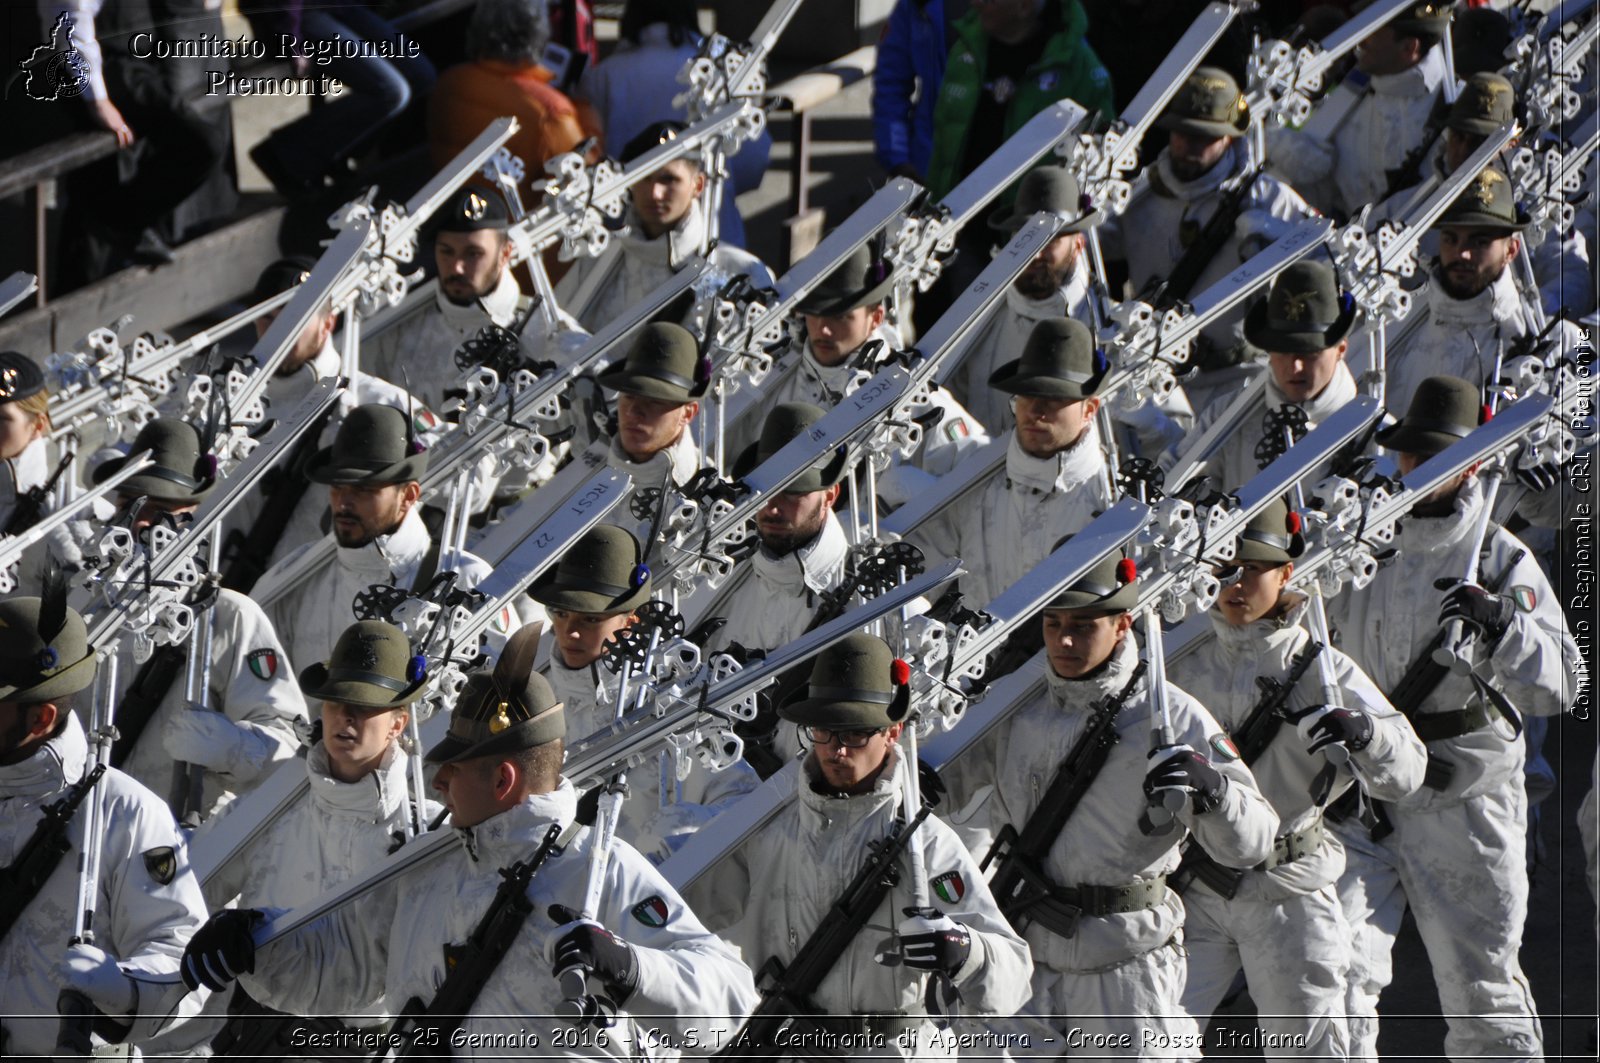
[[1060, 910], [1438, 726]]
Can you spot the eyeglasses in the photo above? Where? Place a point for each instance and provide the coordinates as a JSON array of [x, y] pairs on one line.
[[849, 739]]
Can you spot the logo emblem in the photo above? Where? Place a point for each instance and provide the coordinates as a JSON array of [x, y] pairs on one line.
[[950, 887], [1224, 748], [56, 70], [1488, 98], [1525, 598], [956, 429], [475, 208], [1002, 89], [1484, 189], [652, 911], [1295, 305], [263, 663], [161, 863], [1048, 80]]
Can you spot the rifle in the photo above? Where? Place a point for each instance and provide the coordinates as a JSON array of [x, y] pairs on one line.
[[144, 696], [1202, 250], [427, 1027], [1019, 881], [23, 880], [25, 513], [1258, 729], [786, 989]]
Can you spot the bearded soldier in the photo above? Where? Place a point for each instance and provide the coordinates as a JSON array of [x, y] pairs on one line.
[[1197, 212], [1056, 477], [1280, 920], [499, 773], [1058, 282], [592, 596], [372, 471], [1303, 324], [1105, 930], [773, 893], [1471, 310], [1384, 105], [146, 901], [285, 514], [1560, 261], [477, 288], [249, 726], [1454, 850]]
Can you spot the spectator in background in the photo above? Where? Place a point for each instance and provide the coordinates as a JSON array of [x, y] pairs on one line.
[[503, 76], [906, 81], [297, 157], [167, 148], [1010, 59], [634, 89]]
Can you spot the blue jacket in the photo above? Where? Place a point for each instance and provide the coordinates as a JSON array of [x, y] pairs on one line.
[[912, 49]]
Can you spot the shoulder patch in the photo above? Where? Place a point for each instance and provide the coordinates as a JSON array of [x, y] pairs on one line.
[[162, 864], [1223, 747], [1525, 598], [503, 619], [652, 911], [956, 429], [950, 887], [263, 663]]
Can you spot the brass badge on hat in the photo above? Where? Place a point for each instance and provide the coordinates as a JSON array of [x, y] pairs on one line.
[[1484, 188], [502, 719], [8, 383], [476, 207], [1490, 93], [1295, 304]]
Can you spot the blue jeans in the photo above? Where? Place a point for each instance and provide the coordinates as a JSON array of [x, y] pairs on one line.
[[376, 91]]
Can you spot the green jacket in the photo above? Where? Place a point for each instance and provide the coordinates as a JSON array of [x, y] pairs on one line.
[[1068, 68]]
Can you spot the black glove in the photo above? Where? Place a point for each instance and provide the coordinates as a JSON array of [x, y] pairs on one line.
[[1350, 727], [1190, 771], [1541, 477], [587, 944], [221, 950], [1489, 615], [932, 941]]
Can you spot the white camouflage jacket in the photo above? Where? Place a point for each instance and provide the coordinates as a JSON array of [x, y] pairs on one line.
[[596, 290], [1386, 124], [1002, 780], [1536, 665], [1004, 528], [1223, 675], [771, 893], [252, 688], [147, 905], [312, 616], [391, 945], [654, 827]]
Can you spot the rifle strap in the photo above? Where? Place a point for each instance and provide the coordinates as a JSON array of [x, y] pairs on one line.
[[429, 567], [143, 697], [1182, 277], [282, 499]]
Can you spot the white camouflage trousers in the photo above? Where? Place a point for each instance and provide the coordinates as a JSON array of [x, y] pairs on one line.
[[1294, 952], [1463, 870]]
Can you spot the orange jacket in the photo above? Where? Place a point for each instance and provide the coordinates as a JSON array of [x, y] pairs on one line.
[[470, 96]]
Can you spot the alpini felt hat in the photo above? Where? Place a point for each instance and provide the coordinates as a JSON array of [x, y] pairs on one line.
[[1208, 105], [782, 426], [374, 447], [1273, 535], [371, 667], [181, 472], [664, 363], [856, 684], [1049, 188], [1059, 361], [602, 573], [1111, 586], [863, 279], [1303, 313], [1443, 410], [44, 650]]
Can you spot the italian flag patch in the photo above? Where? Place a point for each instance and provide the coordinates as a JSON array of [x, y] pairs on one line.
[[263, 663], [1525, 598], [423, 420], [652, 911], [950, 887], [956, 429], [1223, 746]]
